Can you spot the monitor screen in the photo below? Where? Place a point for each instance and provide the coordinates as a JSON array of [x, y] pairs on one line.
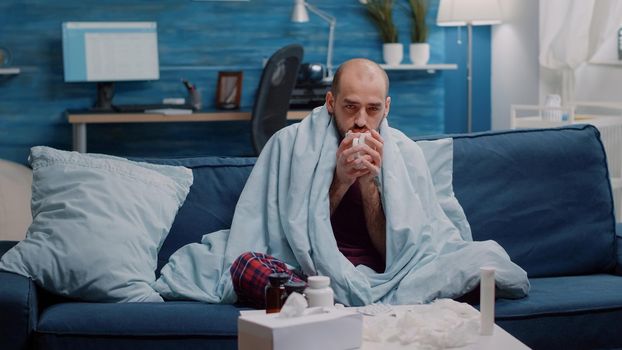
[[110, 51]]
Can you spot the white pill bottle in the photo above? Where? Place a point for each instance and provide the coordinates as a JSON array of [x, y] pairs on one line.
[[318, 292]]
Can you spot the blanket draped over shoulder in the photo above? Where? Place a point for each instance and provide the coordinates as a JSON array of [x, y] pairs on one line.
[[284, 211]]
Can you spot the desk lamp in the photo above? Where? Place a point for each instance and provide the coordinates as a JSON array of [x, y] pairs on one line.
[[300, 15], [457, 13]]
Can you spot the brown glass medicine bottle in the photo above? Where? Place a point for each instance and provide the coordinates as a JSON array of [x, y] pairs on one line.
[[275, 292]]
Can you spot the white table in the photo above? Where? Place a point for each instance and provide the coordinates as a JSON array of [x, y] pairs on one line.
[[500, 339]]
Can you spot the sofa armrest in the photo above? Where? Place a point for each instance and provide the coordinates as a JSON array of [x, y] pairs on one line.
[[18, 307]]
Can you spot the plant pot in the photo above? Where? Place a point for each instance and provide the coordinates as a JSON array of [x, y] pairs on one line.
[[392, 53], [419, 53]]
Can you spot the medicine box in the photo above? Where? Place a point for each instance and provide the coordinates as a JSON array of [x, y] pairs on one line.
[[338, 329]]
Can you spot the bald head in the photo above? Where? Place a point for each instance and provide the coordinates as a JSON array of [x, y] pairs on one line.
[[363, 70], [358, 99]]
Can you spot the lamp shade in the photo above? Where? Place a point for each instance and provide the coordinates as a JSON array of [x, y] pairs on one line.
[[300, 14], [452, 13]]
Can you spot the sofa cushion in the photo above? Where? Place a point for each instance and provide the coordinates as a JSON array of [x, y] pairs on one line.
[[571, 312], [98, 224], [211, 202], [566, 294], [171, 318], [138, 325], [49, 341], [544, 195]]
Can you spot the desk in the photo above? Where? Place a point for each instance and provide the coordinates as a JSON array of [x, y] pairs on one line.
[[80, 120]]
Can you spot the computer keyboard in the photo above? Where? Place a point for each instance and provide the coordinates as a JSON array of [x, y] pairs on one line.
[[139, 108]]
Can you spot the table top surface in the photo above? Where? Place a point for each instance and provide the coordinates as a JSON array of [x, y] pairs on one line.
[[500, 339]]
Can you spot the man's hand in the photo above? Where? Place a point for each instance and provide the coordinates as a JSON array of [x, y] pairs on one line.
[[372, 159], [361, 162], [350, 161]]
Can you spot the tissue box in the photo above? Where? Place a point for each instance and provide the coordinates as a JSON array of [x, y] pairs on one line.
[[336, 330]]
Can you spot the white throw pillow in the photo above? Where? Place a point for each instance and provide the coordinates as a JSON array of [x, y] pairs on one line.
[[98, 223], [439, 154]]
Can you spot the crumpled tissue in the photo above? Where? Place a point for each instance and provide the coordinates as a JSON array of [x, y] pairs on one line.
[[294, 306], [444, 323]]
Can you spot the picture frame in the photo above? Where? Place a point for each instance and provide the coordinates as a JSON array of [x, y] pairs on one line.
[[229, 90]]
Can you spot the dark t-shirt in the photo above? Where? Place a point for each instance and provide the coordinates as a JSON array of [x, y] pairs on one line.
[[353, 241]]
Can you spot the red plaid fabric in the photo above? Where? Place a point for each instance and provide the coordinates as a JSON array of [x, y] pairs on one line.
[[249, 274]]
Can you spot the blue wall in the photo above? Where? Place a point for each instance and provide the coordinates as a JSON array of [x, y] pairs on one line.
[[196, 40], [456, 82]]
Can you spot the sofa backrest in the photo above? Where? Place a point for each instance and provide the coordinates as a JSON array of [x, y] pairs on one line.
[[210, 204], [543, 195]]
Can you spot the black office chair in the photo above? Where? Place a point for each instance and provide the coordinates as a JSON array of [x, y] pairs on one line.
[[272, 98]]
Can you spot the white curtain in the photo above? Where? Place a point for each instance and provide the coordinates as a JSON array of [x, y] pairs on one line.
[[607, 19], [572, 32]]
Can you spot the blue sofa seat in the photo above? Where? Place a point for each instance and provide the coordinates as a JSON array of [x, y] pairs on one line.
[[174, 324], [544, 195], [569, 312]]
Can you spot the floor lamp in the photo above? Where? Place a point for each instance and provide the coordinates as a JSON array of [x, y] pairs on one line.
[[300, 15], [469, 13]]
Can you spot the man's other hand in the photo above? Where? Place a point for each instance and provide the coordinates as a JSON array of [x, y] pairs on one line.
[[352, 162], [371, 156]]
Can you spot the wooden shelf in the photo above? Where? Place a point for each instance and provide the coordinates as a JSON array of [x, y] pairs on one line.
[[9, 71], [431, 68]]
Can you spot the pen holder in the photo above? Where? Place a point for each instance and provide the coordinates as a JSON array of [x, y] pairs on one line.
[[195, 99]]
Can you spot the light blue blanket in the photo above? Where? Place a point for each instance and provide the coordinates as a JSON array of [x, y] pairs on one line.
[[284, 211]]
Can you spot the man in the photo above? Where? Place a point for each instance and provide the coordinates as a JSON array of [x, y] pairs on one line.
[[344, 195], [358, 101]]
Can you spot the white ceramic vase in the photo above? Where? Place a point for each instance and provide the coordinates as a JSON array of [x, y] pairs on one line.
[[392, 53], [419, 53]]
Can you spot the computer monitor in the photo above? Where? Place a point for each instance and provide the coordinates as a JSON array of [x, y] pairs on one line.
[[108, 52]]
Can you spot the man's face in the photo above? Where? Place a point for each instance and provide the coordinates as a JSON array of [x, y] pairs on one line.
[[360, 104]]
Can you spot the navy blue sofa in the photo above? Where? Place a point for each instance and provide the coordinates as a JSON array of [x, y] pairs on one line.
[[544, 195]]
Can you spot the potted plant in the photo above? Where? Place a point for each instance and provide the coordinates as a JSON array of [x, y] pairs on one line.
[[381, 13], [419, 49]]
